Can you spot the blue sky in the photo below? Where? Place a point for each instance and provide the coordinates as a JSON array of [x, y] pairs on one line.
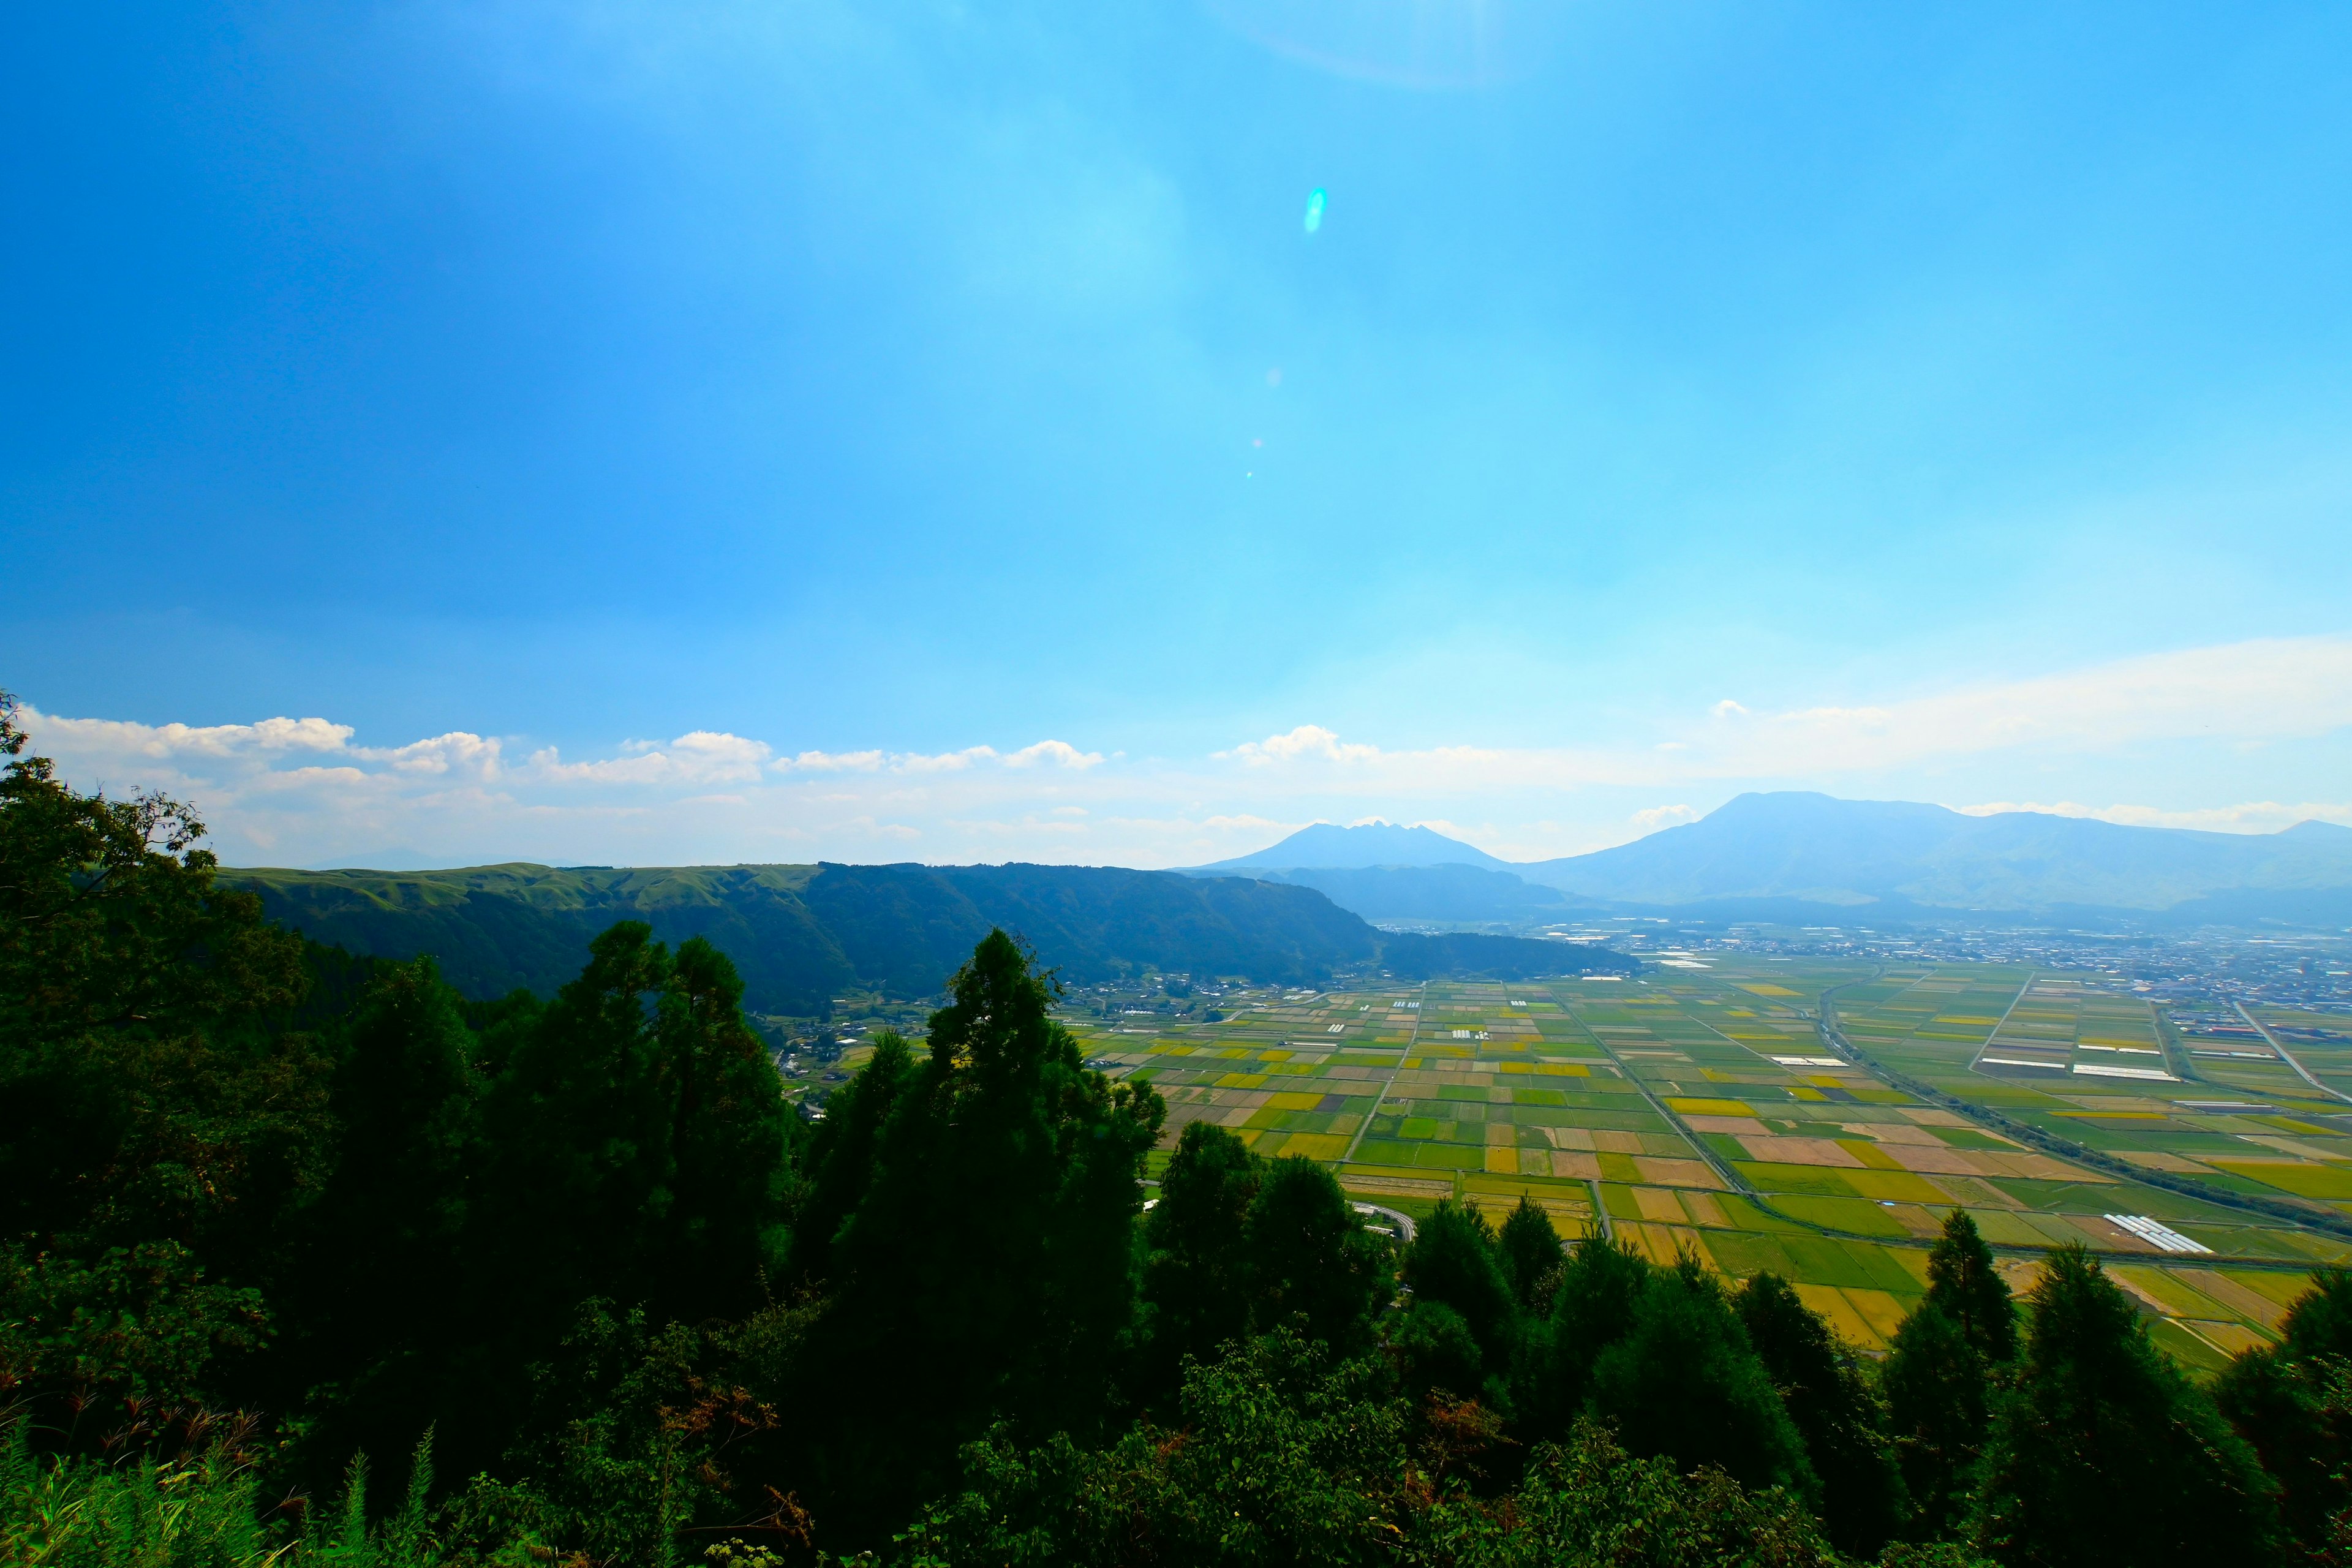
[[579, 415]]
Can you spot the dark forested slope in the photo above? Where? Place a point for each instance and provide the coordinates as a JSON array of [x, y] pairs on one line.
[[802, 934]]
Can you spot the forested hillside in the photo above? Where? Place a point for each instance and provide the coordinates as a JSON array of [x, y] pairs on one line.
[[799, 935], [303, 1263]]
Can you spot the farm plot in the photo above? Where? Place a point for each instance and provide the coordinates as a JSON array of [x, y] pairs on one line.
[[2320, 1043], [2110, 1082], [1698, 1111]]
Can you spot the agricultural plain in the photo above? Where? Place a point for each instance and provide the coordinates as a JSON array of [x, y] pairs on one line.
[[1815, 1118]]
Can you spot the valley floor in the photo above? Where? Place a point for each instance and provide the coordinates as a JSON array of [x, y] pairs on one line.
[[1701, 1107]]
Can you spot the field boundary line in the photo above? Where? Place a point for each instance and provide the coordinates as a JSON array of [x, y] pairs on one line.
[[2288, 1056], [1720, 1166], [2050, 1143], [2002, 1023], [1600, 1210], [1420, 1007], [2176, 1054]]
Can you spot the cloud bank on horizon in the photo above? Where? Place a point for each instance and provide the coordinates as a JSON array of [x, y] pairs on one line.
[[302, 792]]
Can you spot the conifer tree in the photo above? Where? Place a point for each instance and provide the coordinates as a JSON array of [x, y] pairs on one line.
[[1454, 1262], [2103, 1453], [1835, 1411], [1308, 1260], [579, 1189], [376, 1306], [1195, 1283], [1592, 1308], [1945, 1358], [731, 1141], [2293, 1401], [1531, 1254], [988, 1269], [840, 1155], [1938, 1405], [1682, 1381], [1966, 1285]]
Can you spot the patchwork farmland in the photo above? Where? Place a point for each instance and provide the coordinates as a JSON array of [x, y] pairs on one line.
[[1703, 1109]]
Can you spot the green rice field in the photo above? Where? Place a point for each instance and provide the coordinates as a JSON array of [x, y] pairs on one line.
[[1700, 1108]]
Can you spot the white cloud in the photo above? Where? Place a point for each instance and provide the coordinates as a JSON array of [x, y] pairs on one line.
[[2271, 688], [1728, 709], [455, 753], [291, 791], [835, 761], [699, 757], [946, 761], [123, 738], [1059, 752], [1306, 741]]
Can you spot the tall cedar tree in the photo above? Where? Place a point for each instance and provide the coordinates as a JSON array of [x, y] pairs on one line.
[[1196, 1288], [160, 1128], [640, 1151], [1310, 1263], [1947, 1358], [1835, 1410], [2103, 1453], [1593, 1308], [372, 1312], [641, 1139], [1661, 1354], [1454, 1265], [1684, 1382], [1966, 1285], [840, 1161], [988, 1268], [1238, 1245], [1530, 1256], [2293, 1401], [1938, 1408]]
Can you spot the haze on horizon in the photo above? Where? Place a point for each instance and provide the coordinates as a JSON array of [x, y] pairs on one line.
[[727, 432]]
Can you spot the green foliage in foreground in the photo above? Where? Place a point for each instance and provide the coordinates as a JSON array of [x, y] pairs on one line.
[[1281, 1458], [645, 1315]]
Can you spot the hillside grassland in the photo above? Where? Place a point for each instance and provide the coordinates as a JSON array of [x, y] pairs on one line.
[[1698, 1110]]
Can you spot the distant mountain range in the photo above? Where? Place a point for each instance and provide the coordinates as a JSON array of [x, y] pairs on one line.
[[1804, 853], [1325, 846], [800, 935]]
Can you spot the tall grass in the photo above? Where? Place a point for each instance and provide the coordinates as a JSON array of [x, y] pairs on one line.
[[195, 1510]]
